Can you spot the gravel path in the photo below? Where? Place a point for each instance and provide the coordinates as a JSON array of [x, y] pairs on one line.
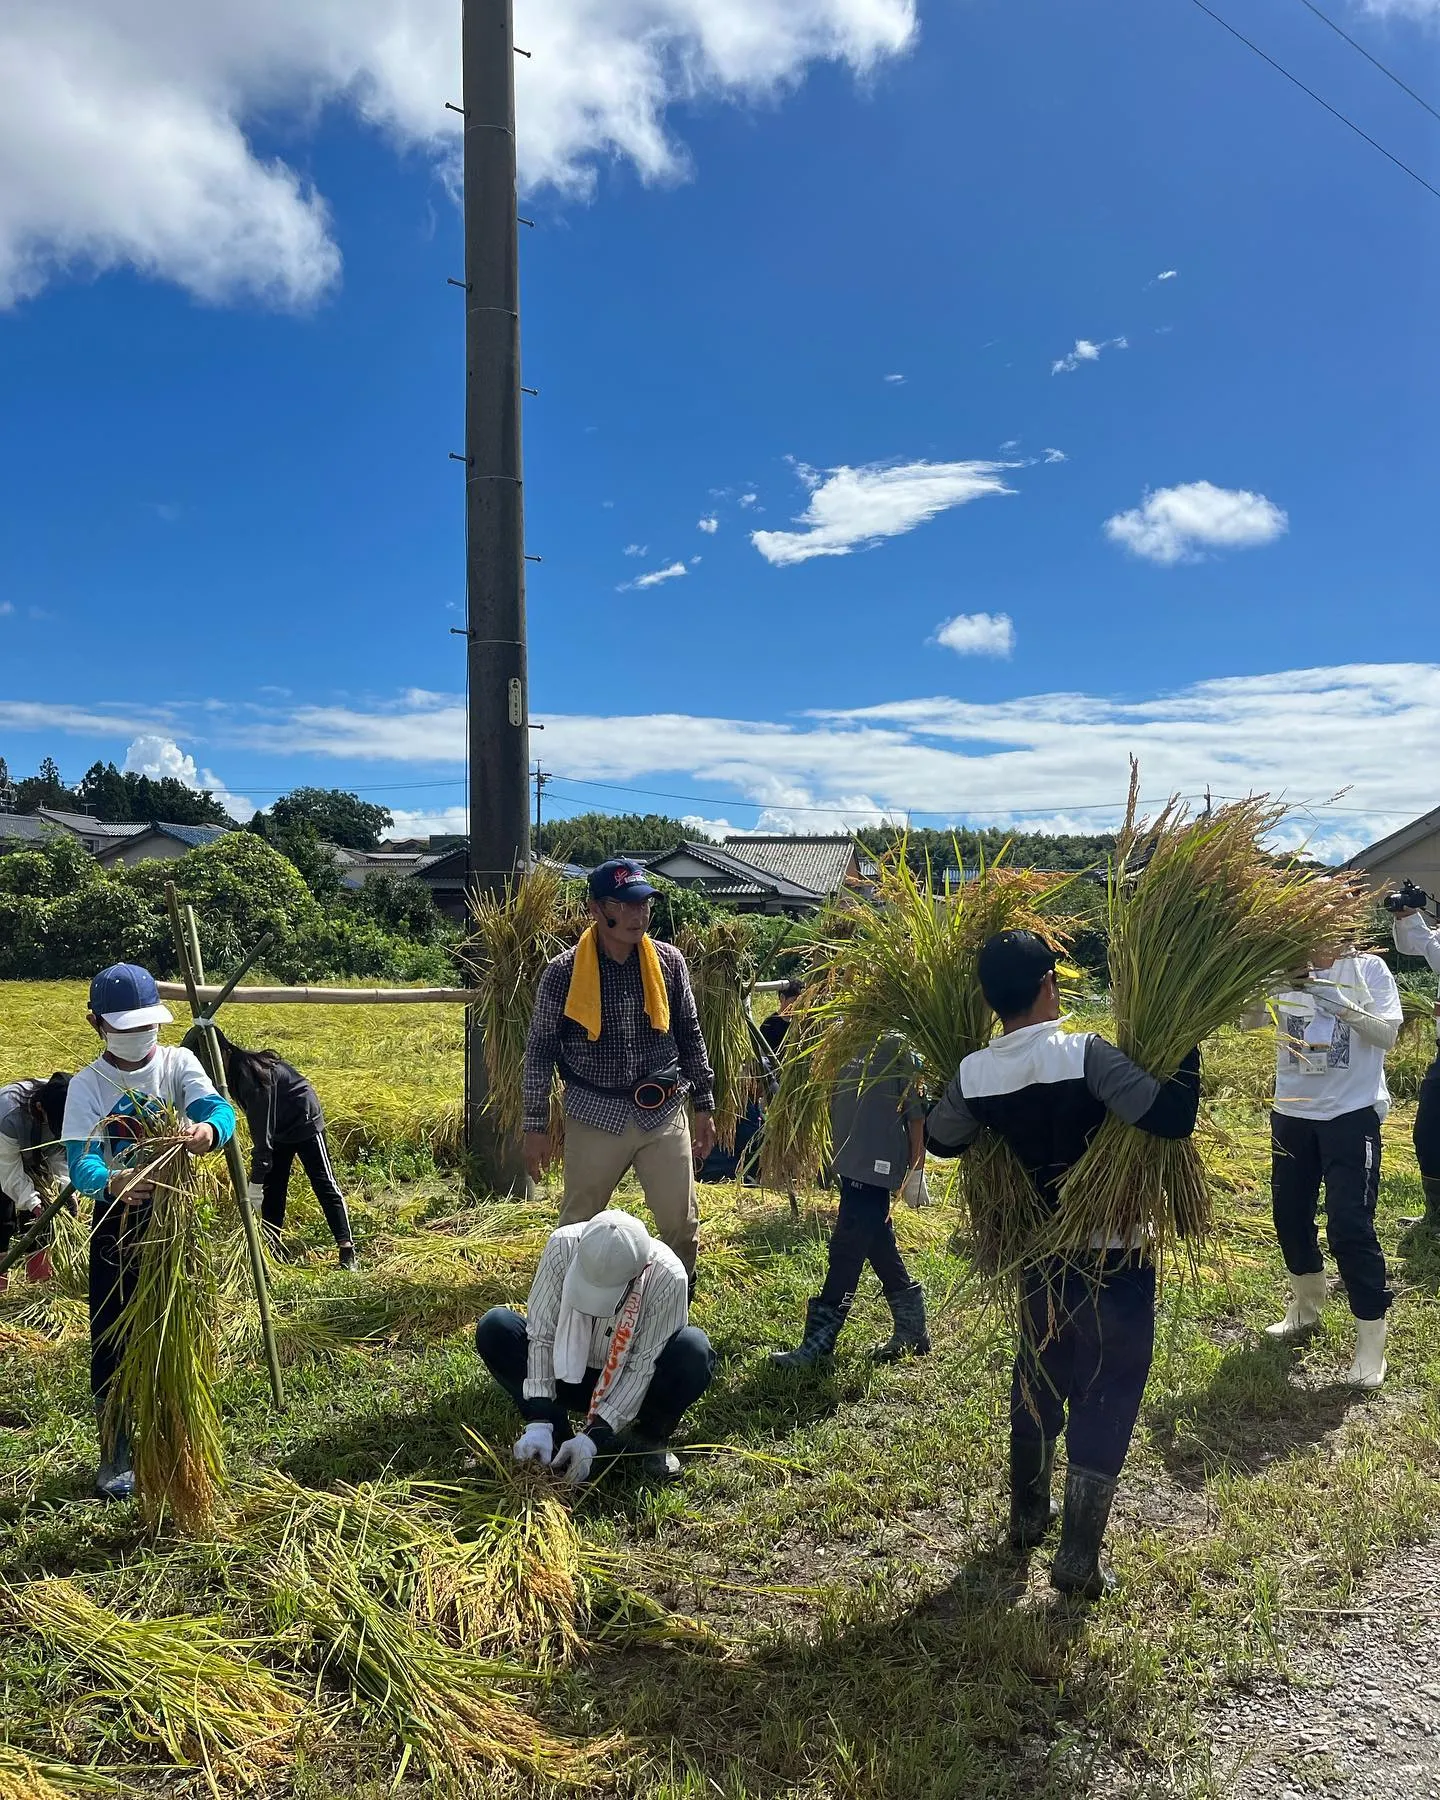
[[1359, 1718]]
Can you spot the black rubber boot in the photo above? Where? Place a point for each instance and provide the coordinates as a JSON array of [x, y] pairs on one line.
[[1429, 1220], [657, 1461], [337, 1217], [1076, 1569], [910, 1337], [822, 1328], [115, 1479], [1032, 1509]]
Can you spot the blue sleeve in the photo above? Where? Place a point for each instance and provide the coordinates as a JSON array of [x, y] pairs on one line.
[[211, 1110], [88, 1170]]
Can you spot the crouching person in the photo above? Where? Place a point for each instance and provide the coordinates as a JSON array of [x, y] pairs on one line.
[[1087, 1327], [605, 1337]]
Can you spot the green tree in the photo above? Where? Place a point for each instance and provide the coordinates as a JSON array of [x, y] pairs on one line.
[[595, 837], [336, 816], [402, 906], [45, 788]]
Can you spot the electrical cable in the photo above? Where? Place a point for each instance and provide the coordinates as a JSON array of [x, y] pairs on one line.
[[1334, 111], [1340, 31]]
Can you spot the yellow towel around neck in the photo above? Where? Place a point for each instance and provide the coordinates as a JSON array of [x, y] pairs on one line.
[[582, 999]]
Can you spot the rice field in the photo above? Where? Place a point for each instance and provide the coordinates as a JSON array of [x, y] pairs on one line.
[[820, 1609]]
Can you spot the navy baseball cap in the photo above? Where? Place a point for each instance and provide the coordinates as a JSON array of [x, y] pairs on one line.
[[1011, 966], [125, 997], [620, 879]]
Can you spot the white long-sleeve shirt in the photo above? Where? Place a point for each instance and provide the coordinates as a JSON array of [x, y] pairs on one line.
[[664, 1309], [1332, 1038], [19, 1137], [1414, 937]]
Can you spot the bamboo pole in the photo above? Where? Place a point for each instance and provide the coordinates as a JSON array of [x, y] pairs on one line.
[[186, 940], [321, 996]]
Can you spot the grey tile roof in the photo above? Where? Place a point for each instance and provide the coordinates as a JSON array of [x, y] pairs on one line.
[[25, 828], [819, 864], [84, 825], [736, 875]]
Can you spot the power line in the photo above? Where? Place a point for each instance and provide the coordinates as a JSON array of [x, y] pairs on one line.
[[1340, 31], [1334, 111]]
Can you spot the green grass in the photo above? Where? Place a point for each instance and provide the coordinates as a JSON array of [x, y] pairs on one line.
[[836, 1535]]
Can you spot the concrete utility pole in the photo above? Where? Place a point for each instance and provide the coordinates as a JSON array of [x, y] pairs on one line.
[[499, 739]]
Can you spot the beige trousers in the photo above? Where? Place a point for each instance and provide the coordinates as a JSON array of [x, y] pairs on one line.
[[664, 1165]]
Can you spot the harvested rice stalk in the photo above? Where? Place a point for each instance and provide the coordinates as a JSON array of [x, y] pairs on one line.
[[444, 1705], [511, 940], [1202, 920], [30, 1778], [164, 1386], [181, 1685], [908, 965], [722, 972]]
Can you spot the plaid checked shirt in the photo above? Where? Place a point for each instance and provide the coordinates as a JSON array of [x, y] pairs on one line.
[[627, 1050]]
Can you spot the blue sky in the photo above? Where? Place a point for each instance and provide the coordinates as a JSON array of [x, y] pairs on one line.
[[1053, 383]]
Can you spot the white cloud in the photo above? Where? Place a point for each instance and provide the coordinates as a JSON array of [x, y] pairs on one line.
[[447, 821], [123, 123], [896, 380], [708, 524], [694, 560], [1056, 456], [748, 499], [1055, 757], [157, 756], [977, 634], [654, 577], [1009, 445], [636, 549], [1178, 524], [860, 507], [7, 607], [1086, 352], [1167, 274]]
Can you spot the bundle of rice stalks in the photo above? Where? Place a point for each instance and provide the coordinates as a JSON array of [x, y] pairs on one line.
[[1202, 921], [907, 965], [168, 1336], [178, 1682], [722, 972], [510, 942], [31, 1778]]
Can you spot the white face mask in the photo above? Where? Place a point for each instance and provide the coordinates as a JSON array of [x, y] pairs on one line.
[[132, 1046]]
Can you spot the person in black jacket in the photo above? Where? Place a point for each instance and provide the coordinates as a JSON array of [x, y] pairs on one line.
[[1088, 1323], [285, 1118]]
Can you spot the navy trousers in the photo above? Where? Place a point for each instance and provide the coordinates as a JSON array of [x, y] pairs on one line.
[[1427, 1124], [1342, 1156], [682, 1374], [1087, 1339], [864, 1232]]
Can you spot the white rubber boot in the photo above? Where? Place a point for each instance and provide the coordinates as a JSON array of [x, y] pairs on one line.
[[1368, 1368], [1307, 1297]]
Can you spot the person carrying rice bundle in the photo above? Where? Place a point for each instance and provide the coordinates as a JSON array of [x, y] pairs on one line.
[[1336, 1021], [31, 1115], [286, 1121], [1087, 1333], [106, 1108], [616, 1016], [606, 1335], [877, 1128]]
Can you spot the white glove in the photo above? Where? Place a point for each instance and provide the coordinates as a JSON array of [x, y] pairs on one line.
[[1329, 999], [574, 1459], [536, 1443], [915, 1190]]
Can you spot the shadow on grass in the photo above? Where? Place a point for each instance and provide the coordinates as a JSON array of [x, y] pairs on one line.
[[967, 1692], [1419, 1258], [1249, 1414]]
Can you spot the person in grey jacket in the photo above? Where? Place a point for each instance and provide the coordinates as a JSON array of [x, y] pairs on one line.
[[877, 1129], [31, 1114]]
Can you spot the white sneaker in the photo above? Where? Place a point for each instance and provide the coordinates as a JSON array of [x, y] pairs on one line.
[[1307, 1298], [1369, 1367]]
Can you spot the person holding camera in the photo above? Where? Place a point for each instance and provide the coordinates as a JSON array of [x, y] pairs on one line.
[[1414, 936], [1335, 1023], [616, 1017]]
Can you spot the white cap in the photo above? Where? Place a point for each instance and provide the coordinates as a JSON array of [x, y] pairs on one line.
[[609, 1253]]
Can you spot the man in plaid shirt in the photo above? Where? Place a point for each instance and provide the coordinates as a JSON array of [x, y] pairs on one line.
[[625, 1086]]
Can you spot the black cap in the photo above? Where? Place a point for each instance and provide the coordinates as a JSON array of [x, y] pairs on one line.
[[1011, 966], [622, 878]]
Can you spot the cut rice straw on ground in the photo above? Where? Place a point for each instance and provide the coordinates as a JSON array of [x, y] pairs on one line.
[[179, 1683], [164, 1385], [1202, 921], [907, 964], [24, 1779]]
